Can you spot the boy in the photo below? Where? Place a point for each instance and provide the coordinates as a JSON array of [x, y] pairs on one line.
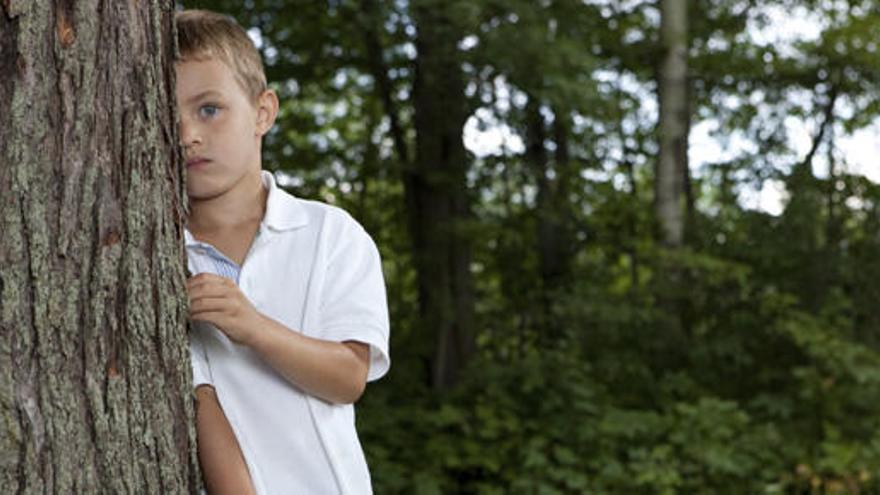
[[288, 300]]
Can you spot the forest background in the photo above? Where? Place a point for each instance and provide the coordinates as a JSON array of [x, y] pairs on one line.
[[551, 334]]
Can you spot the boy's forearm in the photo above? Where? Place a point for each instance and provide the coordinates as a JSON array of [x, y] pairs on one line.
[[333, 371], [222, 462]]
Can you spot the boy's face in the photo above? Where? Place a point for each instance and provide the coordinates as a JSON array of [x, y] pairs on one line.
[[220, 127]]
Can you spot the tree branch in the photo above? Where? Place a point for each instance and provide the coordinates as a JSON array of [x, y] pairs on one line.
[[828, 117]]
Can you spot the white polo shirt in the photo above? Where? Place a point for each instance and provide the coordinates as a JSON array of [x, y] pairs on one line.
[[313, 268]]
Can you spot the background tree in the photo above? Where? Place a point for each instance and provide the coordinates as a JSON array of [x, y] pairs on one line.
[[95, 387], [440, 205], [575, 384], [674, 122]]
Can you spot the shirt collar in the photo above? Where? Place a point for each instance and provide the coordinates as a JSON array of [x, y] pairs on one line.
[[188, 239], [283, 210]]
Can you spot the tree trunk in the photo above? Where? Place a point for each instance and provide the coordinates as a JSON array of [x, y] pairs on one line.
[[669, 181], [440, 204], [556, 222], [672, 87], [95, 380], [553, 231]]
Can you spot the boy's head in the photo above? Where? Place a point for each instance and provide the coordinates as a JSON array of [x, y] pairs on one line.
[[224, 106], [204, 35]]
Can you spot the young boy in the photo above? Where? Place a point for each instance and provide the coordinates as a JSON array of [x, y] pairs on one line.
[[288, 301]]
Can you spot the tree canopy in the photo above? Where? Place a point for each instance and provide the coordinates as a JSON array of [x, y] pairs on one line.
[[582, 362]]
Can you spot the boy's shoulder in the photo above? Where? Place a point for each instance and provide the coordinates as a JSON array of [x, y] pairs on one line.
[[313, 210], [316, 207], [287, 210]]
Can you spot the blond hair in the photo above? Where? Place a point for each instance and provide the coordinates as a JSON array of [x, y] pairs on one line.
[[202, 34]]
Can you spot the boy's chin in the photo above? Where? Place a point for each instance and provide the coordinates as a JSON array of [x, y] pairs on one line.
[[200, 193]]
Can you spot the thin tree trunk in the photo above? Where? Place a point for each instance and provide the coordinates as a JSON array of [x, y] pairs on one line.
[[560, 244], [632, 216], [672, 164], [538, 160], [95, 381], [441, 245], [371, 21], [672, 168], [554, 242], [633, 226]]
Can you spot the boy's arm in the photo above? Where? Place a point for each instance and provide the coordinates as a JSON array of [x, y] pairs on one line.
[[223, 467], [333, 371]]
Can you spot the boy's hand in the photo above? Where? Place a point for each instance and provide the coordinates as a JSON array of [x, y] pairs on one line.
[[217, 300]]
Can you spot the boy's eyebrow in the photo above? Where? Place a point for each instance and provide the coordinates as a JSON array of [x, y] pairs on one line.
[[203, 94]]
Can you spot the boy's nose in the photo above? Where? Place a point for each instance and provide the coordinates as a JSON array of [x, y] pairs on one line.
[[189, 135]]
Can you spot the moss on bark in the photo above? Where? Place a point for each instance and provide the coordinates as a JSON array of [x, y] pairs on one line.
[[95, 385]]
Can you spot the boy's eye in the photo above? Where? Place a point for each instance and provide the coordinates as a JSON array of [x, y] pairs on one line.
[[208, 111]]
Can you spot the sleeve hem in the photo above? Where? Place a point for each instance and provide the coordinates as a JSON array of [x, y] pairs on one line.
[[373, 335]]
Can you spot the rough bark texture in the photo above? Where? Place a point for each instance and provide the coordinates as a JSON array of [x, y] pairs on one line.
[[672, 164], [438, 197], [95, 382]]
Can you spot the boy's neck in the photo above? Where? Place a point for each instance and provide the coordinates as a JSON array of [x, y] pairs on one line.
[[241, 205]]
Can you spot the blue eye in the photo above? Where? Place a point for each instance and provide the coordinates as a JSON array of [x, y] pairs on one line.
[[208, 111]]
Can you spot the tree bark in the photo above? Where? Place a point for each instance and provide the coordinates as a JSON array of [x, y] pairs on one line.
[[441, 206], [672, 87], [672, 168], [95, 380]]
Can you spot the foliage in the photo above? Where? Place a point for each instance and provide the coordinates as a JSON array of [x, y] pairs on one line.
[[586, 384]]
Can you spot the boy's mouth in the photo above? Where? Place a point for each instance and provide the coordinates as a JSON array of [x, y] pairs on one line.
[[198, 160]]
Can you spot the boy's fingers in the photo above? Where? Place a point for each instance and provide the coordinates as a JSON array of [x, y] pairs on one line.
[[208, 290], [207, 278], [213, 317], [208, 305]]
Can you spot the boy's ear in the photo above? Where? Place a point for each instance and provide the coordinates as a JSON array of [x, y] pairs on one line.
[[267, 110]]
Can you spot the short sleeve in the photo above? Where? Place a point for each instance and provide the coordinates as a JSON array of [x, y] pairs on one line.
[[200, 369], [354, 305]]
